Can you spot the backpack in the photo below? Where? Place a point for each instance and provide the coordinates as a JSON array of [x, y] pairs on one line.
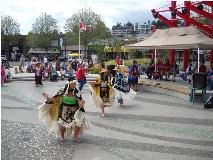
[[134, 71]]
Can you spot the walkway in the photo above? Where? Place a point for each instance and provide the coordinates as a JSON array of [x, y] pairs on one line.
[[152, 127]]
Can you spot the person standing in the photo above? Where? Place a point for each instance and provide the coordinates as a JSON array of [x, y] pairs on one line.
[[202, 68], [22, 60], [174, 70], [3, 75], [150, 69], [81, 77], [13, 56], [134, 73], [210, 79], [45, 61], [167, 69], [38, 74], [62, 72]]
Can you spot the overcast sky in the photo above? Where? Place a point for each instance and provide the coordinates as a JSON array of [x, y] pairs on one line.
[[111, 11]]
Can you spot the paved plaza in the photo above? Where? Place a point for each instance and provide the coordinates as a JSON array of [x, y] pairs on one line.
[[153, 127]]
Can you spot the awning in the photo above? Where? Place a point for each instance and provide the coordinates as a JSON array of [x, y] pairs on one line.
[[74, 55], [175, 38]]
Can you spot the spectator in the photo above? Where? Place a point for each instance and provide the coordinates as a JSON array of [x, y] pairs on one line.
[[49, 70], [85, 63], [134, 73], [13, 56], [202, 68], [187, 72], [6, 64], [150, 69], [22, 60], [38, 74], [16, 56], [118, 60], [167, 69], [80, 76], [62, 72], [210, 79], [20, 69], [45, 61], [53, 73], [29, 66], [159, 70], [174, 70], [64, 65], [70, 74], [91, 63], [3, 74]]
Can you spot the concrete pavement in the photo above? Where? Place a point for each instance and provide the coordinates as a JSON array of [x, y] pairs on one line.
[[153, 126]]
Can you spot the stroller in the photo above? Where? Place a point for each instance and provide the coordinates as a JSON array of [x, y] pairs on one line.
[[70, 75], [54, 75]]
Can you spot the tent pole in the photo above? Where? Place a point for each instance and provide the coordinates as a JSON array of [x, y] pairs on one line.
[[198, 59], [155, 65]]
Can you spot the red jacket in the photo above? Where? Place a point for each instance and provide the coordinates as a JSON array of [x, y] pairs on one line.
[[80, 74], [202, 69]]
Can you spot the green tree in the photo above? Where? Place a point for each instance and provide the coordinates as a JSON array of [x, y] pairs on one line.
[[44, 30], [98, 49], [116, 43], [96, 27], [159, 24], [202, 19], [9, 33]]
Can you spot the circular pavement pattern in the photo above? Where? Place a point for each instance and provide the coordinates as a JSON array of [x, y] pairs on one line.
[[153, 127]]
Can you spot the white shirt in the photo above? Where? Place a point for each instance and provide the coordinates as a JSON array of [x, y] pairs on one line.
[[45, 60]]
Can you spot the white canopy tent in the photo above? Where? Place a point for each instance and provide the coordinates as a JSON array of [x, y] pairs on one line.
[[175, 38]]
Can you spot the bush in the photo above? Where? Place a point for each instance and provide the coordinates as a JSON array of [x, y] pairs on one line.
[[142, 62], [94, 70]]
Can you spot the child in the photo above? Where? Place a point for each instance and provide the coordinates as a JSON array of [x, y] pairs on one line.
[[16, 70], [20, 69]]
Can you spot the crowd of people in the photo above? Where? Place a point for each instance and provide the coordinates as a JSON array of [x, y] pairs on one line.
[[166, 69], [163, 70], [49, 68]]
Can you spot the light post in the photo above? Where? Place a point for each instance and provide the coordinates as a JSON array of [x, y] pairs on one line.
[[61, 36], [125, 43]]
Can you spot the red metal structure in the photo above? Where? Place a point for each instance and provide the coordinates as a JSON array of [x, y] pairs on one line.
[[188, 7]]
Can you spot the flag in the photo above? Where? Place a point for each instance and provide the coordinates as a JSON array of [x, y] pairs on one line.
[[84, 27]]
